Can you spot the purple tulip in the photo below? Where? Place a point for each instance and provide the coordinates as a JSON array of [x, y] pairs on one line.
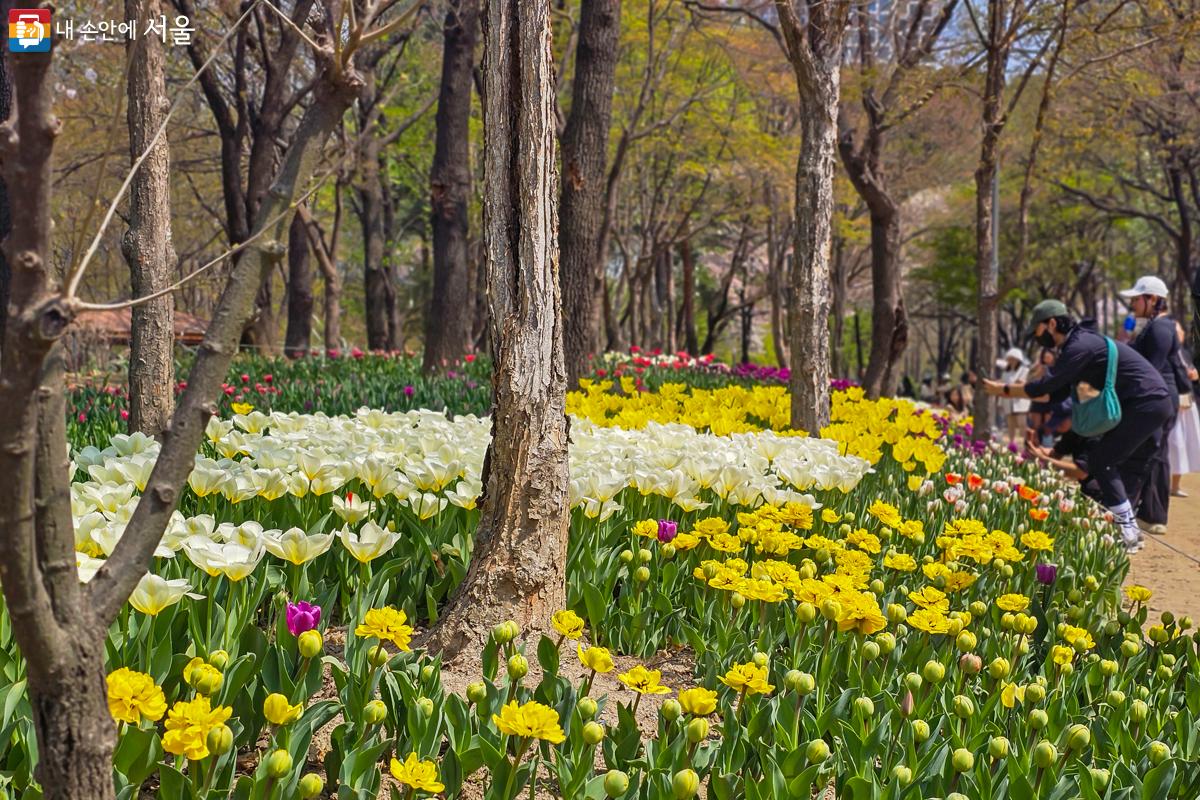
[[1046, 573], [408, 391], [667, 530], [302, 617]]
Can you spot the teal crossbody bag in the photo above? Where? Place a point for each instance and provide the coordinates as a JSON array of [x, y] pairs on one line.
[[1102, 413]]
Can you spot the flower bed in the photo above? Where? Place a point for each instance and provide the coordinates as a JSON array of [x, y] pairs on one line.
[[945, 624]]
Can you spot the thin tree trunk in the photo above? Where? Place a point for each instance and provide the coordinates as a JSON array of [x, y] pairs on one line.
[[147, 243], [584, 153], [298, 338], [448, 325], [985, 177], [378, 297], [687, 315], [327, 262], [840, 288], [518, 566]]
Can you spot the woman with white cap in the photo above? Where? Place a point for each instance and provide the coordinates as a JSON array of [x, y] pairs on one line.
[[1015, 368], [1155, 339]]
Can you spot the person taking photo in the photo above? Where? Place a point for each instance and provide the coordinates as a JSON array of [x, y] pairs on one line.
[[1117, 459]]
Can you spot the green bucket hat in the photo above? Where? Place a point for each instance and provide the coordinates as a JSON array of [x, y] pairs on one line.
[[1047, 309]]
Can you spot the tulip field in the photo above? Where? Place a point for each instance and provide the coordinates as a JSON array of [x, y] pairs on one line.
[[879, 609]]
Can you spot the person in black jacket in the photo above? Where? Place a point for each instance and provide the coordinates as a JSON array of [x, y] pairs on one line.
[[1156, 341], [1118, 459]]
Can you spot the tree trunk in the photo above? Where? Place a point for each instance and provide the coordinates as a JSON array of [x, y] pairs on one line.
[[518, 567], [985, 178], [298, 338], [687, 315], [6, 96], [584, 152], [448, 325], [840, 288], [379, 297], [813, 38], [147, 243]]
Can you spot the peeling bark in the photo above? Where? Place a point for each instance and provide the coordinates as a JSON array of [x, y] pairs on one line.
[[518, 565]]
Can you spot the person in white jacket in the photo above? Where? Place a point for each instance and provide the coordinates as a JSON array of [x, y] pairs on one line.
[[1015, 410]]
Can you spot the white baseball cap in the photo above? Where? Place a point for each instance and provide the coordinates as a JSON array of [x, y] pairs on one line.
[[1147, 284]]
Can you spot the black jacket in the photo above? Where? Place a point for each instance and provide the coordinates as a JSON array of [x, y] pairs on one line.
[[1084, 357]]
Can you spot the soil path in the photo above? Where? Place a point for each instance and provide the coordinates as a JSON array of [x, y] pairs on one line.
[[1170, 565]]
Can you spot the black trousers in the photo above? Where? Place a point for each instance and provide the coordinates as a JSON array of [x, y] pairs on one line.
[[1119, 460], [1156, 490]]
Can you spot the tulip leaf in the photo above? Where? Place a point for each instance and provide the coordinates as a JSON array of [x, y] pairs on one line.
[[548, 655], [1158, 781]]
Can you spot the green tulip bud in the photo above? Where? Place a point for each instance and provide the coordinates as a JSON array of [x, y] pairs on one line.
[[593, 733], [913, 681], [220, 739], [998, 747], [310, 644], [1163, 673], [902, 775], [864, 707], [1008, 621], [964, 707], [737, 600], [1074, 614], [427, 672], [831, 609], [626, 556], [1185, 623], [1143, 692], [849, 516], [1167, 618], [1108, 668], [933, 671], [425, 706], [963, 760], [1157, 752], [1099, 777], [279, 764], [311, 785], [1006, 571], [870, 651], [1116, 698], [791, 680], [378, 656], [957, 796], [816, 751], [697, 730], [978, 609], [920, 730], [208, 682], [587, 707], [806, 612], [896, 613], [1075, 596], [374, 712], [668, 551], [518, 666], [616, 783], [760, 659], [1035, 693], [710, 571], [685, 783], [671, 710], [644, 555], [965, 642], [219, 659], [953, 627], [999, 668], [1078, 737], [907, 704], [1044, 754], [505, 632], [1112, 628], [1090, 583], [887, 642], [641, 574], [877, 587], [1168, 659], [1139, 711], [477, 692], [1038, 718]]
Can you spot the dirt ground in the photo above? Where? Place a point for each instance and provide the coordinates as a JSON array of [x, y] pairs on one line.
[[1170, 565]]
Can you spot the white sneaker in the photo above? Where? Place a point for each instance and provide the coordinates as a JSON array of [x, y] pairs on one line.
[[1133, 547]]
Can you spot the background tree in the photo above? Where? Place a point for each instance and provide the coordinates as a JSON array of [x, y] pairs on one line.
[[518, 566], [147, 243], [584, 155], [448, 326]]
